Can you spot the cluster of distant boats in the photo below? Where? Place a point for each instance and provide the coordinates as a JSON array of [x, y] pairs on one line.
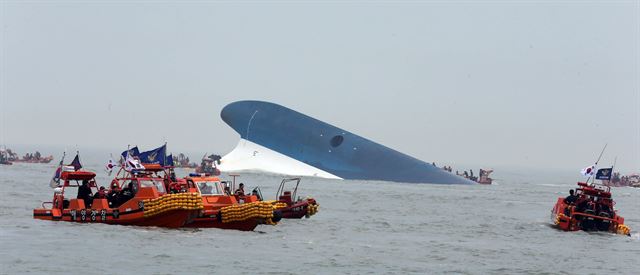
[[8, 157], [632, 180], [482, 178]]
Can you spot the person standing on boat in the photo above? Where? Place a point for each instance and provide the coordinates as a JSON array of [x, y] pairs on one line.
[[172, 176], [240, 190], [227, 189], [572, 198], [84, 193]]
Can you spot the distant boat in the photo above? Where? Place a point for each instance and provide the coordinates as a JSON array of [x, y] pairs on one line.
[[182, 161], [484, 176], [40, 160], [4, 160], [28, 158], [618, 180], [277, 139]]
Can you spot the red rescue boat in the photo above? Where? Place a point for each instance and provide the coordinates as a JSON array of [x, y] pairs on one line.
[[591, 208], [291, 206]]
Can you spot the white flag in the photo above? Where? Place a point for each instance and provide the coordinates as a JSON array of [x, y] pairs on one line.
[[110, 165], [588, 171], [132, 163]]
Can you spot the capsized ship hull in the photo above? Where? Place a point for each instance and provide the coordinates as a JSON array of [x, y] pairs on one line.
[[280, 140]]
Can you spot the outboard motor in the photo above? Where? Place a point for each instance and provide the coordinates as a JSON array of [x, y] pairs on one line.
[[588, 223], [277, 216], [603, 225]]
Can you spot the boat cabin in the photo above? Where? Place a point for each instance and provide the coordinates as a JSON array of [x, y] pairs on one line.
[[215, 193], [206, 185], [72, 180], [122, 190]]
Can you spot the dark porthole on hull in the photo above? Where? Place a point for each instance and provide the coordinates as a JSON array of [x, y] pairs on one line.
[[337, 140]]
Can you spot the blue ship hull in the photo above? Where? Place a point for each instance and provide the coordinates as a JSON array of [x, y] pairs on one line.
[[326, 147]]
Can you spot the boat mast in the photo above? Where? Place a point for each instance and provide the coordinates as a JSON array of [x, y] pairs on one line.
[[596, 164]]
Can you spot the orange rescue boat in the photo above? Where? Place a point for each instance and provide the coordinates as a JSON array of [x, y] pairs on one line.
[[591, 208], [226, 211], [143, 202]]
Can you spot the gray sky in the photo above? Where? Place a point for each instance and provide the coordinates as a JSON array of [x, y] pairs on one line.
[[528, 84]]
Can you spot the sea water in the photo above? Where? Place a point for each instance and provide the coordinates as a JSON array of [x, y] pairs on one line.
[[362, 227]]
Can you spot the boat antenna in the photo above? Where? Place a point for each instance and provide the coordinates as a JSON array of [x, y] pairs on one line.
[[596, 164]]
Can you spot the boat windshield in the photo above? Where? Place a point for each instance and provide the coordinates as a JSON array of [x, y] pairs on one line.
[[159, 184], [209, 187]]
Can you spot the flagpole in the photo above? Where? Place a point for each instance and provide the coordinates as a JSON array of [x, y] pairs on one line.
[[126, 160], [54, 179], [596, 164]]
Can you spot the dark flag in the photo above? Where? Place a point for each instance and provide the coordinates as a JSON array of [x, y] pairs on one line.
[[76, 163], [133, 152], [169, 161], [155, 156], [604, 174]]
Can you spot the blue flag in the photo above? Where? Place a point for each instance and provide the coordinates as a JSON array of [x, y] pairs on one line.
[[169, 161], [76, 163], [155, 156], [604, 174], [133, 152]]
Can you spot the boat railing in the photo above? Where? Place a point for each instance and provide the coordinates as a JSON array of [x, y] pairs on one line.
[[47, 202], [592, 216], [281, 189]]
